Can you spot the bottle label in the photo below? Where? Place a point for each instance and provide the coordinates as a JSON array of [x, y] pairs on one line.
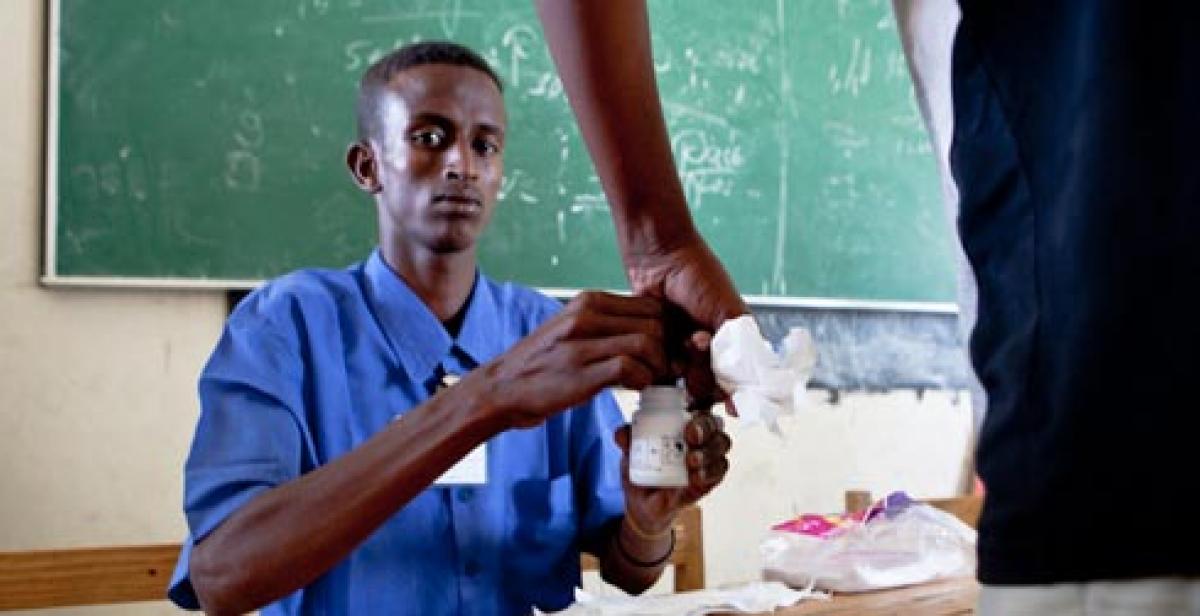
[[658, 454]]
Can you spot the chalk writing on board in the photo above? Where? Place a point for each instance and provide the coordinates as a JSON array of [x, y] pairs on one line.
[[846, 137], [736, 59], [362, 53], [856, 73], [742, 136], [588, 204], [896, 67], [707, 165], [243, 165], [316, 8], [451, 17], [86, 181], [514, 183], [113, 180], [517, 41], [676, 110], [548, 86], [169, 20], [840, 191], [135, 174]]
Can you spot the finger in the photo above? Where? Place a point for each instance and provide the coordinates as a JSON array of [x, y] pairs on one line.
[[715, 472], [608, 303], [697, 373], [600, 325], [582, 369], [644, 349], [730, 407], [716, 448], [622, 436], [621, 370], [700, 428], [704, 479], [719, 445]]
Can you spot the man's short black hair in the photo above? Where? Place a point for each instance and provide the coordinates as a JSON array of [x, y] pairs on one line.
[[380, 74]]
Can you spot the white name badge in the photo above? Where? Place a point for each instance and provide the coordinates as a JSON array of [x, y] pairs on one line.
[[471, 470]]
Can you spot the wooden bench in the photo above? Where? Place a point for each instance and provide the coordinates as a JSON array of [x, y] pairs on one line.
[[127, 574]]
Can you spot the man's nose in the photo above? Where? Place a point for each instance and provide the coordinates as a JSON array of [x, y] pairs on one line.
[[460, 165]]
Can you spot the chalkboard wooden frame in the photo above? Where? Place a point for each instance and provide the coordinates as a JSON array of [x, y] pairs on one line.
[[53, 277]]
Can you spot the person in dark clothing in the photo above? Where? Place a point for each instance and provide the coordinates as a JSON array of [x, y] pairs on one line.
[[1075, 157]]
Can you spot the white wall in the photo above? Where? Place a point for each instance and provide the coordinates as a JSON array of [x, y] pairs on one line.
[[96, 387], [97, 397]]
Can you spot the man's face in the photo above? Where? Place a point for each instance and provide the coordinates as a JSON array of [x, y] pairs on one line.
[[440, 157]]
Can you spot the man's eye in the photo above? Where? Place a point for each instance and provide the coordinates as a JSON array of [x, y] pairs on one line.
[[487, 147], [429, 138]]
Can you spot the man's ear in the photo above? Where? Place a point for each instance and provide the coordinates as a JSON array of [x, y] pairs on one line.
[[364, 167]]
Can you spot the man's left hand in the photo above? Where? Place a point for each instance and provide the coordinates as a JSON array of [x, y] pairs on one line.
[[653, 509]]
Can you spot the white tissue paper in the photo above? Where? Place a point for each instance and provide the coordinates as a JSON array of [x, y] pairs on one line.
[[756, 597], [763, 384]]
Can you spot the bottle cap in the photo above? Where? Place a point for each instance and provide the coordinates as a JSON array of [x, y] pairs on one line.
[[662, 397]]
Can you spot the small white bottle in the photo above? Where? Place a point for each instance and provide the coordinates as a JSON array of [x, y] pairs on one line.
[[657, 450]]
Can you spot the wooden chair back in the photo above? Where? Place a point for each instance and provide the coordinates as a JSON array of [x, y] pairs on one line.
[[965, 508], [688, 558], [86, 576]]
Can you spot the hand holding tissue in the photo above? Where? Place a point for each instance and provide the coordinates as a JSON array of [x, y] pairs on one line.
[[762, 383]]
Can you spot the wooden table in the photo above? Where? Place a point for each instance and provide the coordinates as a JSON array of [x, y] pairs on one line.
[[954, 597]]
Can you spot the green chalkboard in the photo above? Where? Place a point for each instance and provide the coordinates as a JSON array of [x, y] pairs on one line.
[[200, 142]]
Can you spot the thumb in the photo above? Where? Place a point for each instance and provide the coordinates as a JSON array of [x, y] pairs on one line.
[[699, 377], [622, 436], [697, 374]]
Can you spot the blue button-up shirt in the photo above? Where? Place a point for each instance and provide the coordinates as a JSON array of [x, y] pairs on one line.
[[314, 363]]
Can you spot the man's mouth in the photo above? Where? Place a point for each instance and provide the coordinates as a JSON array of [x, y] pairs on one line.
[[463, 199], [457, 204]]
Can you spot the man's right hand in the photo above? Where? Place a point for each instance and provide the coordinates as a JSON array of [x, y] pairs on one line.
[[599, 340], [701, 297]]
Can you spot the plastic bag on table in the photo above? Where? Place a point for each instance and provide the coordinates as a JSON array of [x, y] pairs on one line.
[[897, 542]]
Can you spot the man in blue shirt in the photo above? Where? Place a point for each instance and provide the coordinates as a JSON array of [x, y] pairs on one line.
[[326, 419]]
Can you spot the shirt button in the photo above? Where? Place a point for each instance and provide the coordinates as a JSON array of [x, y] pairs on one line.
[[472, 569], [465, 495]]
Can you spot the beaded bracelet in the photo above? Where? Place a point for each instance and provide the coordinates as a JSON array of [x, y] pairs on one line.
[[646, 564], [637, 530]]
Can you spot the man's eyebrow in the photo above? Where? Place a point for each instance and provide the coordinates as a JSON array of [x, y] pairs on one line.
[[433, 117], [429, 117], [492, 128]]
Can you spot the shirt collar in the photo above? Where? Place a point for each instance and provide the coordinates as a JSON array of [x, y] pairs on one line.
[[484, 335], [419, 338]]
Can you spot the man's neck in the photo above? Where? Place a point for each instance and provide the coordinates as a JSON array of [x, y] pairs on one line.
[[442, 281]]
